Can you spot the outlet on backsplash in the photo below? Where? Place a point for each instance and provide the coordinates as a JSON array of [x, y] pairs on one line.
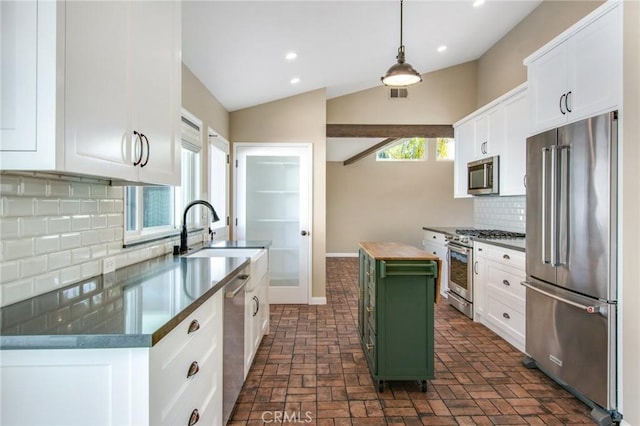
[[506, 213]]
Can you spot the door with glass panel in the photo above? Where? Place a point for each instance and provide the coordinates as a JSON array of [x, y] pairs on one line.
[[273, 202]]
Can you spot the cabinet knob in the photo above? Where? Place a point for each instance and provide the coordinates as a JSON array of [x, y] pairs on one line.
[[194, 326], [304, 233], [194, 417], [434, 237], [193, 370], [506, 315]]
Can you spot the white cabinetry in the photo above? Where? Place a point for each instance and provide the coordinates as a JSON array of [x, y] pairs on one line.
[[498, 295], [256, 308], [105, 89], [577, 74], [499, 128], [435, 244], [177, 379]]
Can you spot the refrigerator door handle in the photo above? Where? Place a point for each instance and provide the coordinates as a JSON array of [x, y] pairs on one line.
[[591, 309], [543, 207], [562, 214], [554, 206]]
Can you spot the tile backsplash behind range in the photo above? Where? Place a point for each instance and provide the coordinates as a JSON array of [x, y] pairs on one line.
[[56, 232], [505, 213]]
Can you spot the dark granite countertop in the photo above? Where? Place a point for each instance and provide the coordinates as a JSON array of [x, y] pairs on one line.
[[518, 244], [240, 244], [135, 306]]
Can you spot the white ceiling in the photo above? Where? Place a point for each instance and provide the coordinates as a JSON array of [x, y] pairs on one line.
[[237, 48]]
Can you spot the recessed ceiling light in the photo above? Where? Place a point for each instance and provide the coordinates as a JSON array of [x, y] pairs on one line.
[[291, 56], [295, 80], [442, 48], [478, 3]]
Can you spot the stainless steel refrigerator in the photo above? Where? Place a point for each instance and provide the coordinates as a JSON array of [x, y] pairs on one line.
[[571, 256]]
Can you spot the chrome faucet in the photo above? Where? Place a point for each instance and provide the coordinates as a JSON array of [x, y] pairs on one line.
[[183, 234]]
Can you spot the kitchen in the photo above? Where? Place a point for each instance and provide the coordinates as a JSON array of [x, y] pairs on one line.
[[294, 116]]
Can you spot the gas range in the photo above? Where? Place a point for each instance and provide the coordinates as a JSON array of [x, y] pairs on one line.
[[464, 237]]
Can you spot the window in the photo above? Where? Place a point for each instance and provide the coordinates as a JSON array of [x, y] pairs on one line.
[[156, 210], [403, 149], [445, 149], [218, 177]]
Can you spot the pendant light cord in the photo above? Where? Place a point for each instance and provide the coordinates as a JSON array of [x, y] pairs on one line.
[[400, 23]]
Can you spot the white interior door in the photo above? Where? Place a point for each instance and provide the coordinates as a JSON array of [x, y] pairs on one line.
[[273, 202]]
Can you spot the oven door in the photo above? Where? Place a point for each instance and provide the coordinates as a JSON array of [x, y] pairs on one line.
[[460, 271]]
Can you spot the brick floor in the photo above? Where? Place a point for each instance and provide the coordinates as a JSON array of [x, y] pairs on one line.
[[311, 370]]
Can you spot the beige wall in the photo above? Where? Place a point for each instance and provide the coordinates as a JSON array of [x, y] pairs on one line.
[[197, 99], [500, 69], [390, 201], [300, 119], [630, 205], [443, 97], [376, 201]]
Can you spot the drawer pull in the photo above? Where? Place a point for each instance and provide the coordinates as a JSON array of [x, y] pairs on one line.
[[506, 257], [194, 326], [505, 282], [479, 248], [369, 346], [194, 417], [506, 315], [434, 252], [193, 370], [255, 299], [369, 309]]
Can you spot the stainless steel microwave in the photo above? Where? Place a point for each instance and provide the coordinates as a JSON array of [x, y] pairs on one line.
[[483, 176]]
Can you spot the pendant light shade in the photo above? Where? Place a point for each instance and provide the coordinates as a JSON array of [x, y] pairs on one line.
[[401, 74]]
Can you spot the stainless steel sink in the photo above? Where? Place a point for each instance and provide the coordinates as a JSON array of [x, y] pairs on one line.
[[218, 252]]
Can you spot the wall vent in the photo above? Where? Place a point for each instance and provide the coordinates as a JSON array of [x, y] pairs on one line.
[[398, 93]]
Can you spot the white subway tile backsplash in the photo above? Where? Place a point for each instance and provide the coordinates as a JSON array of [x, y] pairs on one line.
[[107, 235], [47, 282], [59, 188], [80, 190], [70, 241], [17, 249], [98, 221], [69, 206], [80, 255], [91, 269], [70, 275], [115, 192], [118, 206], [46, 207], [9, 185], [47, 244], [106, 206], [81, 223], [99, 191], [88, 206], [59, 260], [59, 225], [9, 228], [99, 251], [8, 271], [14, 206], [505, 213], [16, 291], [90, 238], [32, 226], [114, 220], [33, 187], [32, 266]]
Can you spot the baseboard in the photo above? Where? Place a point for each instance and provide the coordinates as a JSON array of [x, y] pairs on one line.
[[318, 301], [342, 255]]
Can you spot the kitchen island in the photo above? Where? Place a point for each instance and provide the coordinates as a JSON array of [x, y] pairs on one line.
[[398, 286], [141, 345]]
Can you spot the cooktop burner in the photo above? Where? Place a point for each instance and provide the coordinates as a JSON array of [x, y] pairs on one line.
[[490, 233]]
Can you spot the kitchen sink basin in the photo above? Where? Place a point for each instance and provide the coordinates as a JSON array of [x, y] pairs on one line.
[[214, 252], [258, 256]]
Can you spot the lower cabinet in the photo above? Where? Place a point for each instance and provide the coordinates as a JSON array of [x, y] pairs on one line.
[[256, 321], [396, 318], [435, 244], [499, 297], [177, 381]]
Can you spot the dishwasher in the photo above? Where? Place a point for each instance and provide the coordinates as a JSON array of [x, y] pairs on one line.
[[233, 343]]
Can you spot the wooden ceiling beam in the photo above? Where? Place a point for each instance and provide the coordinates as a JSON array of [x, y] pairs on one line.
[[395, 131], [368, 151]]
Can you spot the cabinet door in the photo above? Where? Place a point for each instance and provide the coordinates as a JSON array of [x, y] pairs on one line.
[[479, 282], [594, 67], [98, 90], [440, 251], [547, 79], [156, 82], [513, 163], [464, 139], [496, 132], [481, 140]]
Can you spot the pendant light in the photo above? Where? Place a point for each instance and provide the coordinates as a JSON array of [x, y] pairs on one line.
[[401, 74]]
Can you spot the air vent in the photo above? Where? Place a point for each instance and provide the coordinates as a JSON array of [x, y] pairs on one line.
[[398, 93]]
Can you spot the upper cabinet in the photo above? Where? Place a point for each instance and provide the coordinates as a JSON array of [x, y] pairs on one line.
[[577, 74], [499, 128], [106, 99]]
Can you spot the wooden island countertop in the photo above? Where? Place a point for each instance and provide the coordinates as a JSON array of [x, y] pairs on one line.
[[402, 251]]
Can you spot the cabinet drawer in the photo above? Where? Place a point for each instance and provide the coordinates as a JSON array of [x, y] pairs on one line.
[[509, 317], [505, 279], [434, 237], [370, 314], [505, 256]]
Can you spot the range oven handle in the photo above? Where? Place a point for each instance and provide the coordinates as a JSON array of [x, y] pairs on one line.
[[590, 309], [459, 249]]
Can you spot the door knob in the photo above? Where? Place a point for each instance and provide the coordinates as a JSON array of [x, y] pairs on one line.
[[304, 233]]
